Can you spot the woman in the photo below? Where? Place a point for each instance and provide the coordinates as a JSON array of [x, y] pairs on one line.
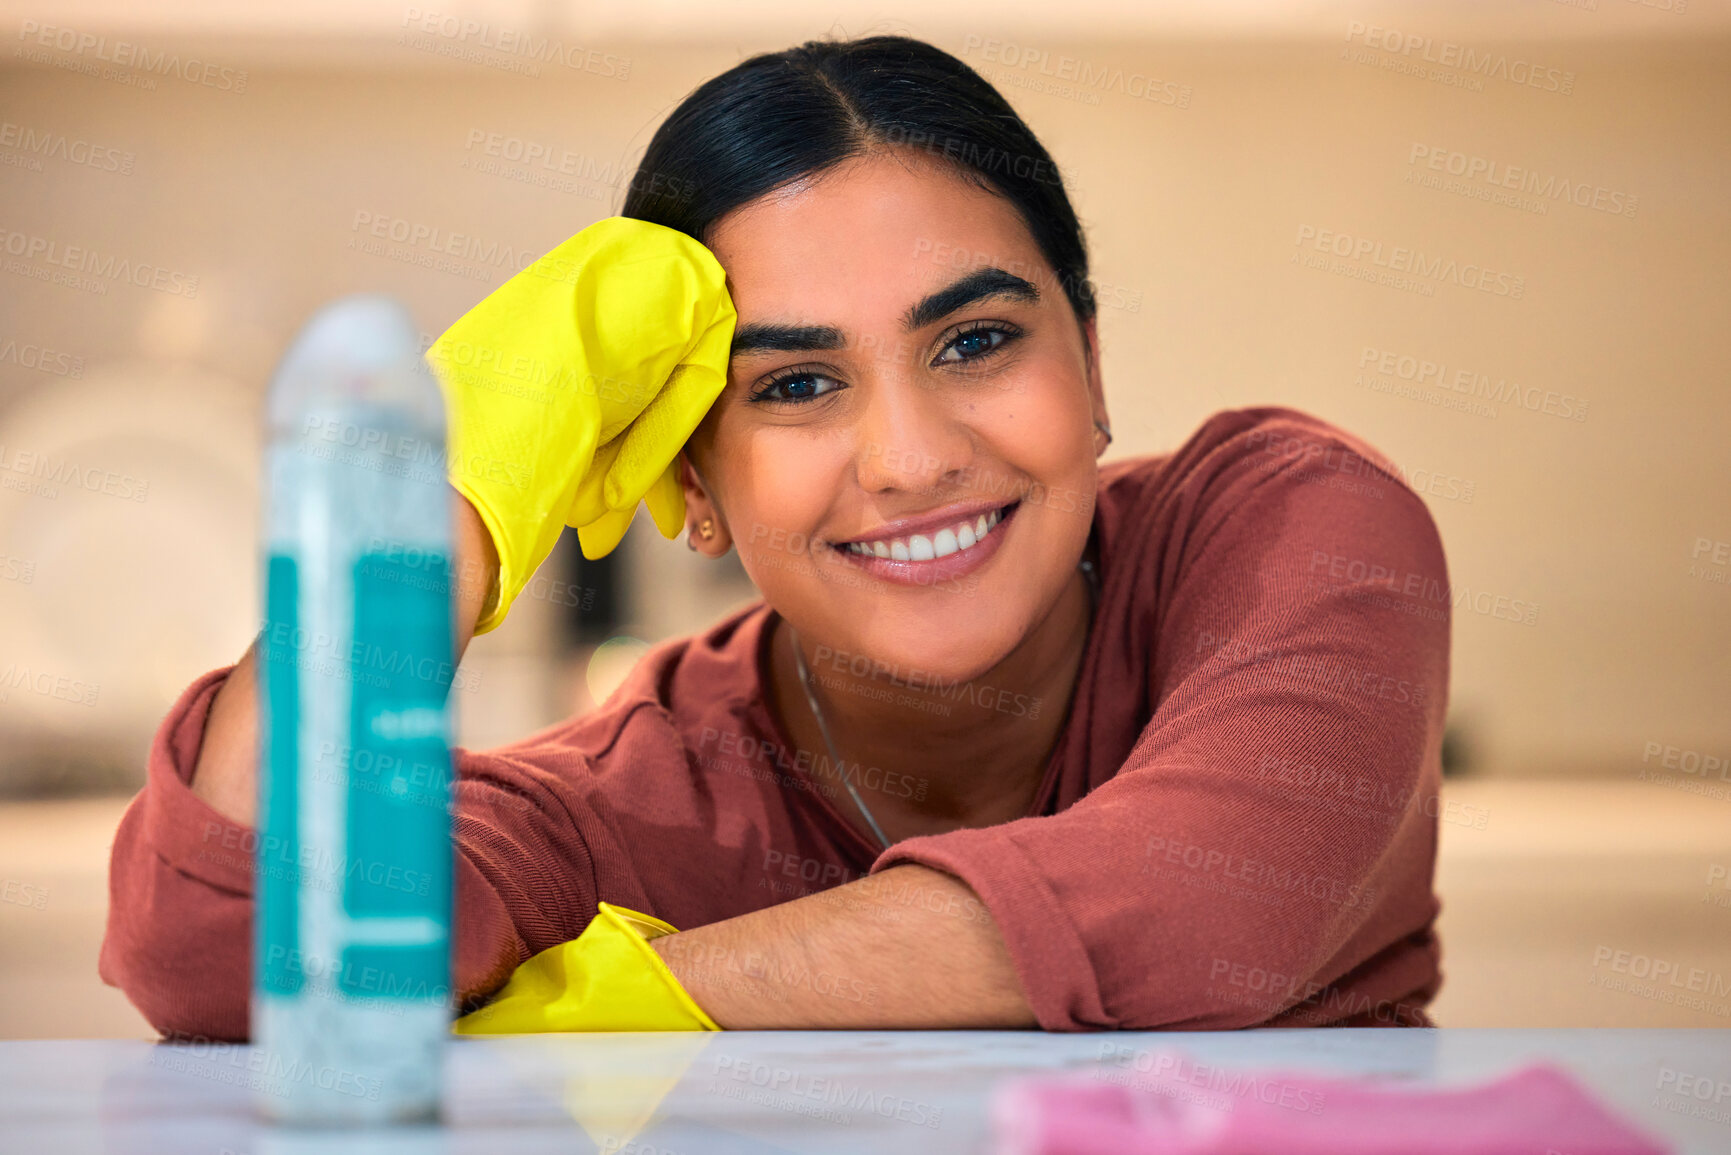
[[1014, 739]]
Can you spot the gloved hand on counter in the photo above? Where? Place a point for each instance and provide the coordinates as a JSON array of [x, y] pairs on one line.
[[606, 979], [572, 387]]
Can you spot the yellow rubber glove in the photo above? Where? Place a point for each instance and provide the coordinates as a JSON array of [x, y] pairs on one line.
[[606, 979], [571, 388]]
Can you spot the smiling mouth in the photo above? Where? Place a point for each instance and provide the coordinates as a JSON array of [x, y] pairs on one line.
[[916, 547]]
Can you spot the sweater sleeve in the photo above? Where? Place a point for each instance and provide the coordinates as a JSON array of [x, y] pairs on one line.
[[179, 933], [1273, 827]]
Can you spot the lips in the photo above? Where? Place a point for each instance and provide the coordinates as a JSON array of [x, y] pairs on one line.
[[935, 558], [964, 534]]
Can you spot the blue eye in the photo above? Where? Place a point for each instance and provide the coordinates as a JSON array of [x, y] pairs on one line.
[[980, 340], [797, 385]]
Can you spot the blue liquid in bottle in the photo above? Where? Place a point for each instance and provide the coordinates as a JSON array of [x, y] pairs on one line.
[[351, 1002]]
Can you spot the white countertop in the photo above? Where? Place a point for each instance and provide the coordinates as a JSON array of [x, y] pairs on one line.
[[783, 1091]]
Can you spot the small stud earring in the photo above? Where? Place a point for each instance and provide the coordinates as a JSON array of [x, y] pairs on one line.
[[707, 529], [1101, 428]]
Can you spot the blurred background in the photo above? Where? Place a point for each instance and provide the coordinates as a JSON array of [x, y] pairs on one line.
[[1244, 169]]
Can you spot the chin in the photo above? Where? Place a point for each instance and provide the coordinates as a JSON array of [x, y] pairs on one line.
[[947, 636]]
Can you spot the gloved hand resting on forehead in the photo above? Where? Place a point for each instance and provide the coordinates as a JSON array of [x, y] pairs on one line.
[[572, 387]]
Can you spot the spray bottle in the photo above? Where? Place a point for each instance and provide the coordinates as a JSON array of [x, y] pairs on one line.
[[351, 998]]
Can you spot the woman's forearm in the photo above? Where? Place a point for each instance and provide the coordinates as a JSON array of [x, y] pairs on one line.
[[908, 948]]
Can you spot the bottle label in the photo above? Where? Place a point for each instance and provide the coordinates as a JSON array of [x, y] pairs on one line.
[[398, 873], [393, 767], [276, 938]]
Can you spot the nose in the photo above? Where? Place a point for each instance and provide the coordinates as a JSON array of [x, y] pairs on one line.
[[911, 437]]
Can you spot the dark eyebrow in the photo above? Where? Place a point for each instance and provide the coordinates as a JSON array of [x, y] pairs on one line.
[[785, 338], [976, 286]]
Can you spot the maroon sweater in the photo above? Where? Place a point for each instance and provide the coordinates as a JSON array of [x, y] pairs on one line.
[[1237, 825]]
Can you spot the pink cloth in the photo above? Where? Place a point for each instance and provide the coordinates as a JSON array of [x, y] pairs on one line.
[[1180, 1107]]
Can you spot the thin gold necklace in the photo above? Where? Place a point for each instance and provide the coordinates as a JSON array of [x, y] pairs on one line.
[[805, 681], [823, 728]]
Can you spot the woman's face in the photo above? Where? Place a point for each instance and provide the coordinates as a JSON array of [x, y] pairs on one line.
[[905, 365]]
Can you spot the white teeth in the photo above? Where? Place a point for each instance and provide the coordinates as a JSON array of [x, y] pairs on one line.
[[919, 547]]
